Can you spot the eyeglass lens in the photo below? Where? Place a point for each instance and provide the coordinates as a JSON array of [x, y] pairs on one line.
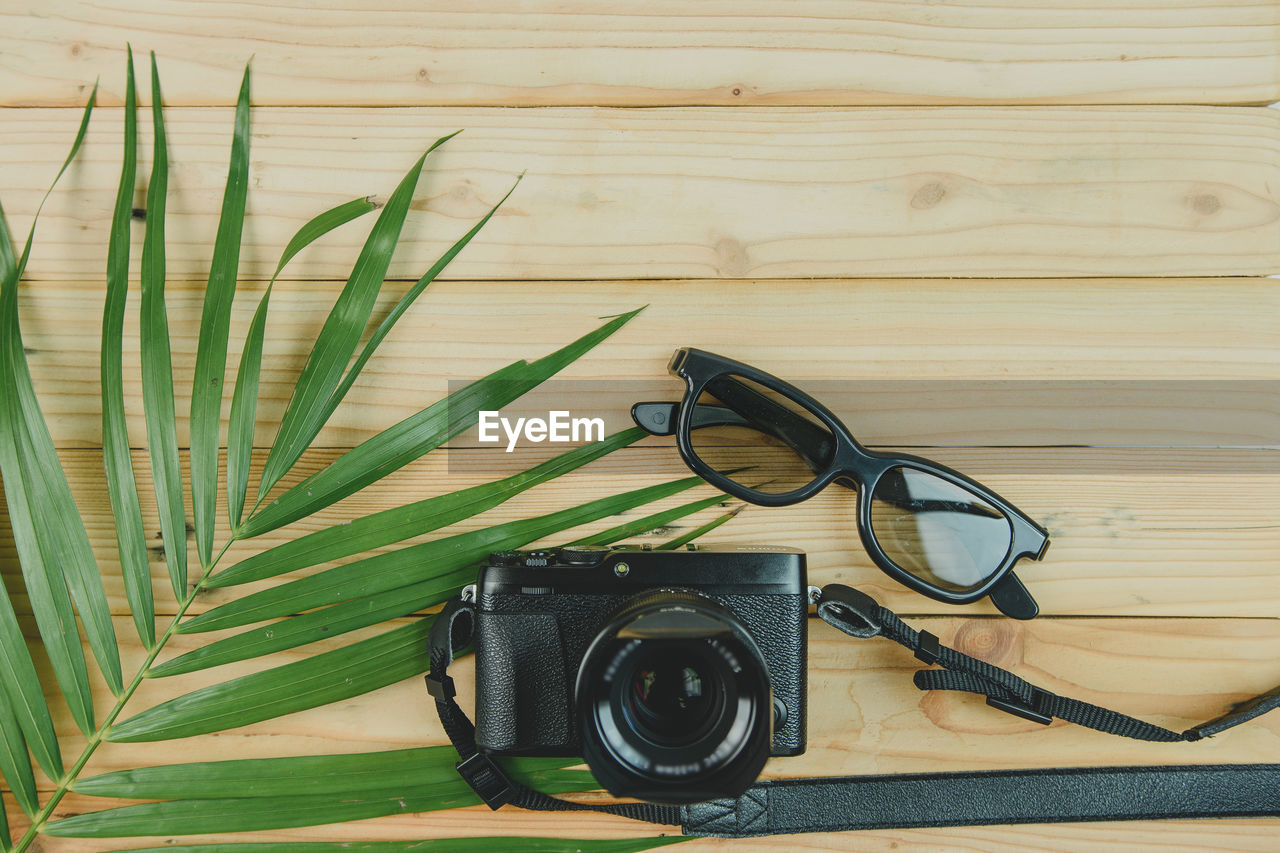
[[936, 530], [928, 526], [758, 437]]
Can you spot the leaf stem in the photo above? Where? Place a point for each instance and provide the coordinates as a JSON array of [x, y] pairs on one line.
[[99, 734]]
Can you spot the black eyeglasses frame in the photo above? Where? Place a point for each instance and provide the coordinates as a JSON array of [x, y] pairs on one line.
[[849, 464]]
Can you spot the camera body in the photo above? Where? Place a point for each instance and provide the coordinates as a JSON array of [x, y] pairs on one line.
[[639, 659]]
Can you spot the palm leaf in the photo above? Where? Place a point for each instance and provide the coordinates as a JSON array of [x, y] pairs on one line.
[[308, 407], [215, 325], [75, 149], [50, 602], [436, 845], [359, 613], [21, 689], [328, 677], [698, 532], [244, 401], [62, 582], [236, 796], [17, 671], [193, 817], [415, 519], [648, 523], [320, 625], [57, 561], [360, 667], [397, 446], [307, 775], [6, 843], [157, 370], [14, 764], [118, 462], [403, 305], [417, 563]]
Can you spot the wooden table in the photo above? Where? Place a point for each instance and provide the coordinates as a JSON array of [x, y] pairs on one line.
[[900, 191]]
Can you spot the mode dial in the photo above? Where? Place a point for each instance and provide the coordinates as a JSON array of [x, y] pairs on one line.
[[581, 555]]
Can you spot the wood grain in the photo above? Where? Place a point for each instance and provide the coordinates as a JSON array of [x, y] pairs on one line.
[[1200, 836], [1134, 532], [757, 216], [813, 333], [712, 193], [661, 53], [866, 717]]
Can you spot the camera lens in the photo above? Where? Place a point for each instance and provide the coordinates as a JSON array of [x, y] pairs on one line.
[[673, 696], [674, 701]]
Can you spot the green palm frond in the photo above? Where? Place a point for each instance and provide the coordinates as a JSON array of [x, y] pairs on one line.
[[415, 519], [31, 473], [438, 845], [394, 585], [244, 401], [122, 487], [384, 594], [281, 793], [157, 365], [318, 387], [215, 329]]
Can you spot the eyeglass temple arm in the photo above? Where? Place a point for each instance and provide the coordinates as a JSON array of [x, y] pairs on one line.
[[660, 418]]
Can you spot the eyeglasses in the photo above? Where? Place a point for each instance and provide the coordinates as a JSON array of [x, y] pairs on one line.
[[765, 441]]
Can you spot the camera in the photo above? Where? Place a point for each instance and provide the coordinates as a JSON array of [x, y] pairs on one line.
[[674, 674]]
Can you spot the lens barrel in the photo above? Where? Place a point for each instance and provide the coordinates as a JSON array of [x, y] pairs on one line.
[[674, 701]]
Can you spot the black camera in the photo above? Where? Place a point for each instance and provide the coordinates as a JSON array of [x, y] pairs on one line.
[[675, 674]]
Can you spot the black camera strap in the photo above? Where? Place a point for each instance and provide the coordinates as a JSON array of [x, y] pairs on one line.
[[451, 633], [991, 798], [858, 615], [1051, 795]]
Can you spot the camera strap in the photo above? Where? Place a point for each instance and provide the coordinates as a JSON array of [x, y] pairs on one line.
[[900, 801], [451, 633], [990, 798], [858, 615]]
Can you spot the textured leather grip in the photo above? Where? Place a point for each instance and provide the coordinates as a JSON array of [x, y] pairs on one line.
[[991, 797]]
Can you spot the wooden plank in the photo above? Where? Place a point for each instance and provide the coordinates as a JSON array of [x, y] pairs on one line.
[[1200, 835], [670, 193], [866, 717], [740, 195], [817, 332], [664, 53], [1134, 532]]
